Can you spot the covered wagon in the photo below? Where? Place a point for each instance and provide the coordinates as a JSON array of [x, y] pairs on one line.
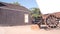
[[50, 10]]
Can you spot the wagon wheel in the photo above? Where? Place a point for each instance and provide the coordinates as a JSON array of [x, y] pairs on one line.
[[52, 21], [40, 21], [59, 22]]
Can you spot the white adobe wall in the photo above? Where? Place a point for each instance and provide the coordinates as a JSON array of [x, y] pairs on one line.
[[49, 6]]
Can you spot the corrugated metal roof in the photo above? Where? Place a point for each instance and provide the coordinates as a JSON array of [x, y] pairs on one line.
[[13, 6]]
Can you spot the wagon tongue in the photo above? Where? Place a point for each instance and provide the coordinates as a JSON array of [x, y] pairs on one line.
[[48, 6]]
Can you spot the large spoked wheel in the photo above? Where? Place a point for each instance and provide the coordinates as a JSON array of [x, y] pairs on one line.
[[59, 22], [52, 21], [40, 21]]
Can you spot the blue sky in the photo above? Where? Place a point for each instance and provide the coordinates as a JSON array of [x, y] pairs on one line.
[[26, 3]]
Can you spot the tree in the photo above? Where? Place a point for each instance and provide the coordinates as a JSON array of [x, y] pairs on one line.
[[35, 12], [16, 3]]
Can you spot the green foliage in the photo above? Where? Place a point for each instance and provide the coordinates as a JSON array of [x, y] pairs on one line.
[[35, 12], [16, 3], [35, 15]]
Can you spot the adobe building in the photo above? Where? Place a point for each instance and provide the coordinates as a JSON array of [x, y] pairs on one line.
[[11, 14]]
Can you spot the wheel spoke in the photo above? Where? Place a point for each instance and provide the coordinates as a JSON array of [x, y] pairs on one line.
[[52, 21]]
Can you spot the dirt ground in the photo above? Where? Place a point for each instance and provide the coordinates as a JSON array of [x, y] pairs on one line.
[[26, 29]]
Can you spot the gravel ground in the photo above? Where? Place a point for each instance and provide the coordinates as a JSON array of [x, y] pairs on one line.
[[26, 29]]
